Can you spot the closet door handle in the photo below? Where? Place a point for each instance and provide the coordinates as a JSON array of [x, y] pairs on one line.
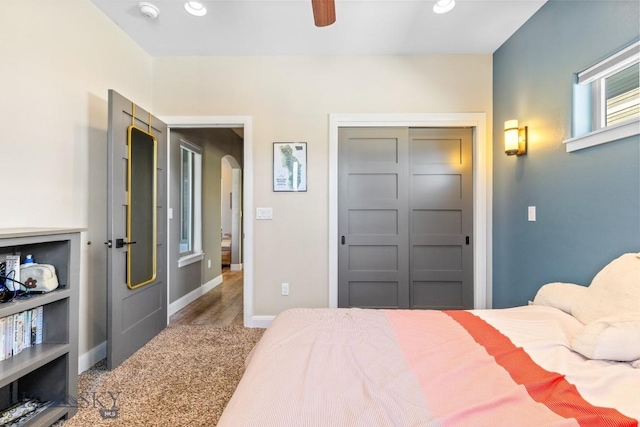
[[343, 240], [467, 240]]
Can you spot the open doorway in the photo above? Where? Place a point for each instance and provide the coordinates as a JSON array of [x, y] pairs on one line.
[[231, 212], [208, 274]]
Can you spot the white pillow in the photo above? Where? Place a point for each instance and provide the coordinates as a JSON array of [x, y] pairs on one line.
[[559, 295], [614, 291], [635, 363], [610, 338]]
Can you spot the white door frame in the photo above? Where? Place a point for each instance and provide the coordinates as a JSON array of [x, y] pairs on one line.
[[482, 185], [247, 195]]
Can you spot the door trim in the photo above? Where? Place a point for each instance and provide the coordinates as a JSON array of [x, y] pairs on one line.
[[482, 185], [174, 122]]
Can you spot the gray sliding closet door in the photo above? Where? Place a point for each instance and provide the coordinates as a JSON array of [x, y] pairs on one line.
[[373, 200], [441, 226], [405, 218]]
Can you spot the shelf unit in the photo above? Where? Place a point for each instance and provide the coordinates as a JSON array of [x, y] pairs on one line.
[[47, 371]]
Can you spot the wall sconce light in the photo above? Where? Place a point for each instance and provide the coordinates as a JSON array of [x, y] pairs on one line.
[[515, 139]]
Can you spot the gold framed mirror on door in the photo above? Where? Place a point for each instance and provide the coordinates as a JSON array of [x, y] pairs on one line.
[[141, 212]]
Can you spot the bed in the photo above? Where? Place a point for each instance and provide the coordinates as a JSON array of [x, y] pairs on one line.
[[569, 358]]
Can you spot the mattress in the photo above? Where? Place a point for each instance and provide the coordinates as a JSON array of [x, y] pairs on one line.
[[357, 367]]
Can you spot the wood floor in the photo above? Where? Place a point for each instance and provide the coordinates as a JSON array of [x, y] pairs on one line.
[[221, 306]]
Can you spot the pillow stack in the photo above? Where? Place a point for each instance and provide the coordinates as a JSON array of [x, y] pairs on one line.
[[614, 291], [609, 309]]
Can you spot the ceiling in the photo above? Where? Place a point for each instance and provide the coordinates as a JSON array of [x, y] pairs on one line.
[[285, 27]]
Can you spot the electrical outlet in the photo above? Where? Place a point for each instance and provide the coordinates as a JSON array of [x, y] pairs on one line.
[[285, 289]]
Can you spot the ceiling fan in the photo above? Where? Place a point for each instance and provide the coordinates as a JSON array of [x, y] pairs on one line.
[[324, 12]]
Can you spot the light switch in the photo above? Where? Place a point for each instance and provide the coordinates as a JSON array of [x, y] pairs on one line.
[[170, 213], [264, 213], [532, 213]]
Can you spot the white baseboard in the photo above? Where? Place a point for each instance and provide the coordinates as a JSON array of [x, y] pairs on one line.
[[260, 321], [91, 357], [235, 267], [211, 284], [187, 299]]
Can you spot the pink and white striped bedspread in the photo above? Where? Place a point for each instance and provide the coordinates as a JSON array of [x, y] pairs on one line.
[[353, 367]]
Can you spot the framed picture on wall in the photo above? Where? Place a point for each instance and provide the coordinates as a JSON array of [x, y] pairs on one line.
[[290, 166]]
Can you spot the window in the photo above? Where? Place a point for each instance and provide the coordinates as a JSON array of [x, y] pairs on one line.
[[190, 203], [607, 100], [621, 96]]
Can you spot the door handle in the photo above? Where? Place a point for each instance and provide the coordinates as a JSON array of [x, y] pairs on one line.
[[467, 240], [343, 240], [121, 243]]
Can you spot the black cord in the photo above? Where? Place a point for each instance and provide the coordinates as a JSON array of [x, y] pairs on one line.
[[6, 277], [6, 294]]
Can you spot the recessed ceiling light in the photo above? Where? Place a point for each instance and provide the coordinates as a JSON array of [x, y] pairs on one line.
[[444, 6], [195, 8], [149, 10]]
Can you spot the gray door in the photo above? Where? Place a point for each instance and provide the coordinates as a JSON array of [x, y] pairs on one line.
[[441, 225], [136, 225], [373, 215], [405, 218]]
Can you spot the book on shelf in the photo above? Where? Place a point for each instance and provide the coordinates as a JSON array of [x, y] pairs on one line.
[[39, 323], [17, 411], [34, 326], [21, 412], [19, 331], [8, 342], [26, 336]]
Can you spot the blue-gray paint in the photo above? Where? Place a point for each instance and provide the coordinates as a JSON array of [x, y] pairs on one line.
[[588, 201]]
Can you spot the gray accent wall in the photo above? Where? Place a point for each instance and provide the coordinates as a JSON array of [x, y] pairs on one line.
[[182, 280], [588, 201]]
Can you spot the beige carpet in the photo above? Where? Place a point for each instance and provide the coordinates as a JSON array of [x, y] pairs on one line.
[[183, 377]]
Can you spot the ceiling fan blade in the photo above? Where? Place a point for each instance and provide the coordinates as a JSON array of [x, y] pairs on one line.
[[324, 12]]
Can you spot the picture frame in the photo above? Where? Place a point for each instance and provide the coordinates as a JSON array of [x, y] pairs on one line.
[[290, 167]]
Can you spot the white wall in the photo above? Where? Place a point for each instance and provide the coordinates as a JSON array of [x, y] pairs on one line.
[[290, 99], [59, 58]]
